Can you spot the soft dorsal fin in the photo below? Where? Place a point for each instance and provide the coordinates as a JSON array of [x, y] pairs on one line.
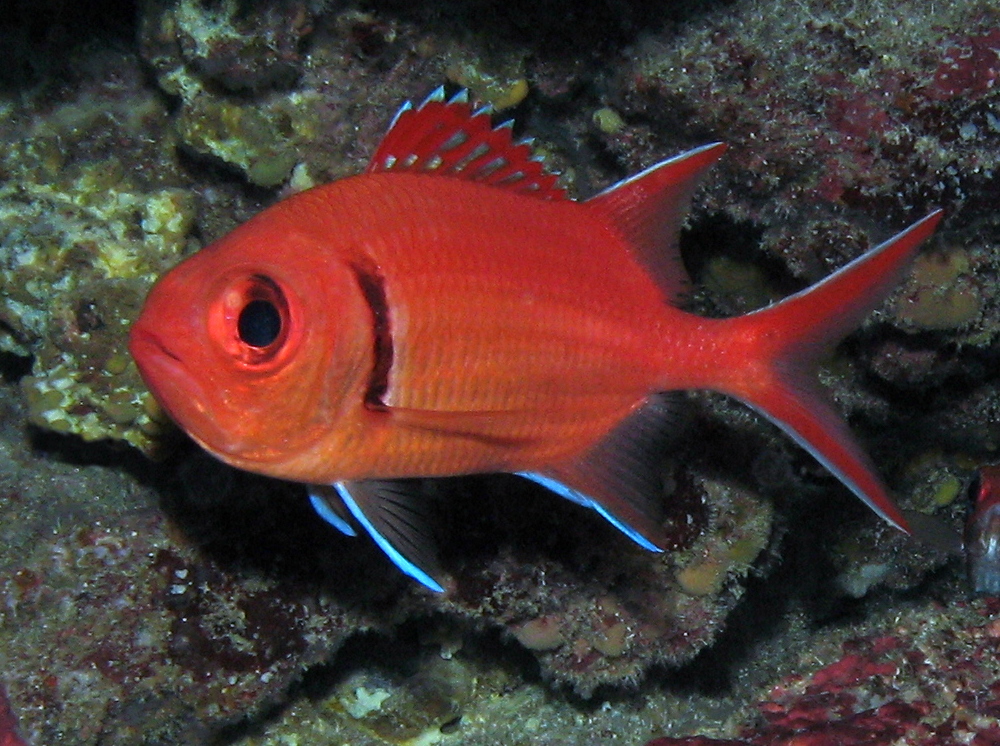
[[450, 137], [649, 208], [620, 477]]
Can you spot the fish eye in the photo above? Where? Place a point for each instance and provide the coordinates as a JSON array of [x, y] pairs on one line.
[[259, 323], [253, 321]]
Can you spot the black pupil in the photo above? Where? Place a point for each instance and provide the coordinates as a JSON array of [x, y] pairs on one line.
[[259, 323]]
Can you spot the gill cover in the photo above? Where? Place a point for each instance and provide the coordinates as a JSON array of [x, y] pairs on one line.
[[239, 326]]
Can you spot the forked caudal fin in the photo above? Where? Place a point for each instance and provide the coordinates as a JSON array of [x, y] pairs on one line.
[[776, 350]]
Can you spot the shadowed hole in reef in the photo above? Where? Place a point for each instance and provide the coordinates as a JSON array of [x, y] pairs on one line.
[[785, 610], [724, 261], [786, 601], [39, 38], [760, 619], [72, 449], [14, 367], [543, 22], [244, 520]]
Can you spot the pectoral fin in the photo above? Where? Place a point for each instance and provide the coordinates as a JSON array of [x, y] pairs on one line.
[[391, 512]]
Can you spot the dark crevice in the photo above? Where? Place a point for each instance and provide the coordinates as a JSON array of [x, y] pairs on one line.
[[14, 367]]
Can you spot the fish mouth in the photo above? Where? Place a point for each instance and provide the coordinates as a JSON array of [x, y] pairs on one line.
[[167, 377], [184, 397], [150, 353]]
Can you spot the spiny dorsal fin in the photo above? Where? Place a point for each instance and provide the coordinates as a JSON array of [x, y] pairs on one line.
[[449, 137], [649, 209]]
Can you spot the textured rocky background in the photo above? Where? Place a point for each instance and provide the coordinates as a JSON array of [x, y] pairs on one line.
[[150, 595]]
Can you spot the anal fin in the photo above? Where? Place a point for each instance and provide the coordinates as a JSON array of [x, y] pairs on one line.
[[620, 477]]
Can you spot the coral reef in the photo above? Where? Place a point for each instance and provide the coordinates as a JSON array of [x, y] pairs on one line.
[[917, 684], [8, 723], [185, 603], [575, 611], [242, 47], [219, 608], [198, 48], [115, 627], [399, 708], [83, 238]]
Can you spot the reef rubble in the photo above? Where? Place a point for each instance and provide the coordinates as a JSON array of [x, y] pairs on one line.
[[177, 601]]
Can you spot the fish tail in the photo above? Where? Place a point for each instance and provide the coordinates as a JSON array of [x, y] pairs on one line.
[[775, 353]]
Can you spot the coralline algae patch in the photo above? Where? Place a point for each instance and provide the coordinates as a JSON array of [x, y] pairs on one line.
[[501, 86], [403, 707], [258, 139], [77, 255], [886, 109], [200, 51], [921, 683], [238, 47], [251, 98], [942, 292], [93, 207]]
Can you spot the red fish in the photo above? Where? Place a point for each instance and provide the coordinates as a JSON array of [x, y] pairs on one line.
[[451, 311]]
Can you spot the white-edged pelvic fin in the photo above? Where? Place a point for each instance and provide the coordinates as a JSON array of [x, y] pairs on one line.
[[550, 483], [389, 512], [327, 503], [649, 210]]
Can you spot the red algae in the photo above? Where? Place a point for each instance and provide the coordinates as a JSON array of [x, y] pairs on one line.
[[8, 723], [969, 68], [922, 685]]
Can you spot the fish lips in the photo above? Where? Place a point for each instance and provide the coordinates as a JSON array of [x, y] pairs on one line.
[[178, 391]]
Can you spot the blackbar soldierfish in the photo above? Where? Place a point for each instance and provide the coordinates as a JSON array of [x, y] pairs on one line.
[[451, 311]]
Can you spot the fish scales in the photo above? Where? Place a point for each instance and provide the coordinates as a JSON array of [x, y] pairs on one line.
[[451, 311]]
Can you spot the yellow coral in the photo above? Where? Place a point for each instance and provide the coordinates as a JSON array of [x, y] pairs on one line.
[[941, 293], [501, 90]]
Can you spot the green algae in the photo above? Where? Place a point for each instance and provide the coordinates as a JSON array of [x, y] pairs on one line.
[[942, 293], [203, 53], [400, 709], [80, 246], [259, 140]]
